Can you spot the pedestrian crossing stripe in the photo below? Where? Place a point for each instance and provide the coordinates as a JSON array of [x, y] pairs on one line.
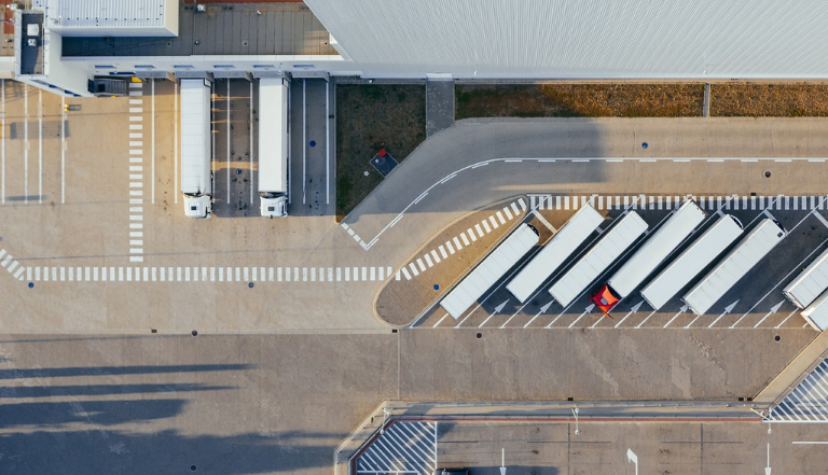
[[807, 401], [464, 239], [403, 447], [193, 273], [667, 202]]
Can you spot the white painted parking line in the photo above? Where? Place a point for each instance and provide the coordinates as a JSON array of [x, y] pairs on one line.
[[227, 129], [25, 143], [40, 146], [786, 318], [681, 311]]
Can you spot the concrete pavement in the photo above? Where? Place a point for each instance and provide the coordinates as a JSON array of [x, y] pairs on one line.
[[479, 162]]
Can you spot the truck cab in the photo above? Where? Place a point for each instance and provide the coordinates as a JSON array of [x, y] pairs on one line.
[[605, 299], [274, 205], [197, 206]]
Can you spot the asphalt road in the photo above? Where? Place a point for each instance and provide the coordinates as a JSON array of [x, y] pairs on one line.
[[476, 163]]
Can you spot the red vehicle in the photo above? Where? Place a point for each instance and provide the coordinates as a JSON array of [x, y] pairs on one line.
[[605, 299]]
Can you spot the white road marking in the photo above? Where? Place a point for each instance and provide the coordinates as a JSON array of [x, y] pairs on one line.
[[645, 319], [440, 321], [26, 143], [176, 171], [786, 318], [586, 311], [544, 221], [152, 134], [3, 141], [229, 139], [327, 143], [251, 142], [304, 138], [682, 310], [40, 145]]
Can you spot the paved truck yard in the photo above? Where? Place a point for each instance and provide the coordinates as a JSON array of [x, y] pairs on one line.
[[308, 237], [98, 247]]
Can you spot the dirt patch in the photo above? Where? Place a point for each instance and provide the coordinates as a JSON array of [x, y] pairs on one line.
[[371, 117], [769, 100], [580, 100]]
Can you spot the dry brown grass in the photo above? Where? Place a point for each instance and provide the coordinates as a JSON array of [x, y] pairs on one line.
[[580, 100], [769, 100]]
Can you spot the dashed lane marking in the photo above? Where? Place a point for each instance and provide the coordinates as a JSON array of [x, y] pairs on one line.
[[191, 273]]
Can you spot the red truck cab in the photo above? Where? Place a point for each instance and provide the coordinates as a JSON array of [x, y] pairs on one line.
[[604, 299]]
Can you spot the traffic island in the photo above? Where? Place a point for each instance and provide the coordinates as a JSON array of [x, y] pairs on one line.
[[446, 258], [413, 292]]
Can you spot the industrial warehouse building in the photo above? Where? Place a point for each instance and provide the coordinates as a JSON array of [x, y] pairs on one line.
[[61, 44]]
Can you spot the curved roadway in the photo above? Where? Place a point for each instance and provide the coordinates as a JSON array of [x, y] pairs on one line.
[[479, 161]]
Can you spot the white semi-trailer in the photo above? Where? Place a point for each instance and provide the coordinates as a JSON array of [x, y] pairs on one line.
[[579, 227], [817, 313], [494, 267], [273, 147], [649, 256], [196, 148], [810, 283], [692, 261], [614, 242], [750, 250]]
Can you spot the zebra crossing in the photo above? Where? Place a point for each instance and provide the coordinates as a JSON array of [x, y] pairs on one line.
[[408, 447], [193, 274], [430, 258], [808, 401], [11, 264], [136, 173], [667, 202]]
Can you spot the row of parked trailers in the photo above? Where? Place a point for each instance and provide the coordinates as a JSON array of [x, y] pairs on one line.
[[196, 147], [808, 290]]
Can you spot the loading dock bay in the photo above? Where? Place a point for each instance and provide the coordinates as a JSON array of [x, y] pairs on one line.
[[755, 302]]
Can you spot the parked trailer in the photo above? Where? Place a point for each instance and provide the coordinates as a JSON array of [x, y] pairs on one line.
[[650, 255], [811, 282], [564, 243], [750, 250], [817, 313], [493, 268], [614, 242], [273, 147], [196, 148], [692, 261]]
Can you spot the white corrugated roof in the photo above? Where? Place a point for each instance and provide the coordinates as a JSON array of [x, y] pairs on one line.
[[495, 266], [614, 242], [810, 283], [555, 252], [273, 140], [692, 261], [664, 241], [583, 38], [750, 250], [106, 13], [817, 313]]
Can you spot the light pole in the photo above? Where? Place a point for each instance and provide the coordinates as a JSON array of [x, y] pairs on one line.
[[631, 457], [502, 461], [770, 419], [575, 412]]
